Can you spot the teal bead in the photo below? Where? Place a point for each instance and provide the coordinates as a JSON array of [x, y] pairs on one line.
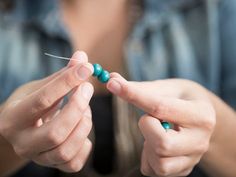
[[104, 76], [166, 125], [97, 69]]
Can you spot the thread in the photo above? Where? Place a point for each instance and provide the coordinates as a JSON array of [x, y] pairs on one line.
[[58, 57]]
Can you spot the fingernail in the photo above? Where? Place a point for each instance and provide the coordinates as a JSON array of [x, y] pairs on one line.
[[84, 72], [87, 90], [80, 56], [83, 56], [114, 86]]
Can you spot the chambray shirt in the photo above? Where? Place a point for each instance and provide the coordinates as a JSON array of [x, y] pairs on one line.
[[191, 39]]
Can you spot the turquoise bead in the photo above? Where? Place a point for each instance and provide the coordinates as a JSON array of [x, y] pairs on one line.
[[166, 125], [104, 76], [97, 69]]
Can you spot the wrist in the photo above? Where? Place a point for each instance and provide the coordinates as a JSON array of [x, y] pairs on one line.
[[220, 154], [1, 107], [10, 162]]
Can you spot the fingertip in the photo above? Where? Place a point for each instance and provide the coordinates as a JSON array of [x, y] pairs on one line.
[[88, 113], [83, 71], [90, 66], [148, 122], [120, 87], [115, 75], [115, 83], [87, 90], [114, 86], [78, 57]]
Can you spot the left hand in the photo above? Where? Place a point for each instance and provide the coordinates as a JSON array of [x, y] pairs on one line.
[[183, 103]]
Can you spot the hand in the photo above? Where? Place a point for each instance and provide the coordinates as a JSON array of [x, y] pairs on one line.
[[38, 129], [183, 103]]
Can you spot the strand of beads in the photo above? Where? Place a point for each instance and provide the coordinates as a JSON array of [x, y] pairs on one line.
[[102, 75]]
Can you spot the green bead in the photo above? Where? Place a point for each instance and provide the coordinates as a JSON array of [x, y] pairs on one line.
[[97, 69], [104, 76], [166, 125]]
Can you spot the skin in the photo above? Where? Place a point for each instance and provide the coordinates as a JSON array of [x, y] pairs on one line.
[[194, 139], [165, 153], [37, 128], [42, 131]]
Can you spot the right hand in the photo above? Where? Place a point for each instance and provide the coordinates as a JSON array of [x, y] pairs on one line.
[[33, 123]]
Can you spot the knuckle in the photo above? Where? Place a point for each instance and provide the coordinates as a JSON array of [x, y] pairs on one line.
[[164, 147], [87, 124], [88, 112], [75, 166], [43, 102], [5, 129], [56, 136], [64, 155], [80, 103], [143, 122], [21, 152], [144, 170], [187, 172], [162, 168], [210, 123], [159, 109], [88, 143], [129, 94], [69, 80], [203, 147], [209, 118]]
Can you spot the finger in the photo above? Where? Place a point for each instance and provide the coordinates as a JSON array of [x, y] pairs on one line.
[[56, 131], [80, 159], [53, 112], [145, 167], [49, 78], [168, 109], [171, 143], [36, 104], [152, 130], [169, 166], [72, 145], [77, 58], [32, 86]]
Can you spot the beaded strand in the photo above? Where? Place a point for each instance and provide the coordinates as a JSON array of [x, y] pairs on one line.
[[102, 75]]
